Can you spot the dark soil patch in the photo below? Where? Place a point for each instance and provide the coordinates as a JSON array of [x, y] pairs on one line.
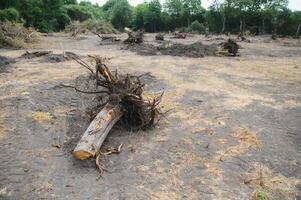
[[5, 64], [110, 42], [55, 58], [47, 56], [194, 50]]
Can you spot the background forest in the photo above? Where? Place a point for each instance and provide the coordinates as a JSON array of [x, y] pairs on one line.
[[234, 16]]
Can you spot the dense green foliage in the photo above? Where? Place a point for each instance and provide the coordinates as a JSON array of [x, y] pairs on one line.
[[119, 13], [9, 14], [254, 16], [197, 26]]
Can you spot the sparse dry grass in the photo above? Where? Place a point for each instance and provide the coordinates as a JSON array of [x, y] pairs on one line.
[[42, 117], [2, 132], [246, 140], [206, 130], [272, 185]]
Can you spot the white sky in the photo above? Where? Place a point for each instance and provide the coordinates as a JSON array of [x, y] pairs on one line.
[[293, 4]]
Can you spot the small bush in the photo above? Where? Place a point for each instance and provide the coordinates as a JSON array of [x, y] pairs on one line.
[[79, 12], [10, 14], [198, 27]]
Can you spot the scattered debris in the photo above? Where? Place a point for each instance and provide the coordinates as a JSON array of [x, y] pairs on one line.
[[109, 151], [159, 36]]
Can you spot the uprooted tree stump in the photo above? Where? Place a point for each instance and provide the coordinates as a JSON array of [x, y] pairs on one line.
[[241, 37], [125, 102], [159, 36], [180, 35], [231, 46], [134, 37], [274, 37]]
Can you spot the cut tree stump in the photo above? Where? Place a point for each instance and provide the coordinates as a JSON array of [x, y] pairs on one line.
[[97, 132]]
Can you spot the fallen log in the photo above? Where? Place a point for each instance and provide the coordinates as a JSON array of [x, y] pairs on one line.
[[94, 136]]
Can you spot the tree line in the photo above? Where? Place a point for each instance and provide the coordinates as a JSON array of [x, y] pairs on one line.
[[223, 16]]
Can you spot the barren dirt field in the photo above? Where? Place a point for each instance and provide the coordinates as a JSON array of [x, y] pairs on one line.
[[235, 130]]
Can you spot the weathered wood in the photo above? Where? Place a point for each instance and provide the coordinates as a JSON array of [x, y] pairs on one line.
[[97, 132]]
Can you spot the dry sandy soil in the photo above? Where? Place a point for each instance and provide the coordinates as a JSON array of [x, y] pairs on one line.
[[235, 130]]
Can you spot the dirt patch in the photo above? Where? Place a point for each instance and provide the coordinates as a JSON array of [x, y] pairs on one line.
[[55, 58], [5, 64], [211, 97], [194, 50], [48, 56]]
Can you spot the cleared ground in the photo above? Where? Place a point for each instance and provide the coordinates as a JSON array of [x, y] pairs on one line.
[[235, 129]]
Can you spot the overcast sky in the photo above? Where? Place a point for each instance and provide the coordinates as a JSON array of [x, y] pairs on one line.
[[293, 4]]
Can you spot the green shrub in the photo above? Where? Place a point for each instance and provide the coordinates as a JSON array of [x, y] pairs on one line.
[[198, 27], [99, 26], [183, 29], [10, 14], [78, 12]]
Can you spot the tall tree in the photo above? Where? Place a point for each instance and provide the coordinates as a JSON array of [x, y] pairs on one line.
[[153, 13], [139, 15], [119, 13], [274, 8]]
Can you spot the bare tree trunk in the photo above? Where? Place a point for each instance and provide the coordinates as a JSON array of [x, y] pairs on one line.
[[224, 24], [298, 31], [263, 26], [241, 26], [275, 29], [97, 132]]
